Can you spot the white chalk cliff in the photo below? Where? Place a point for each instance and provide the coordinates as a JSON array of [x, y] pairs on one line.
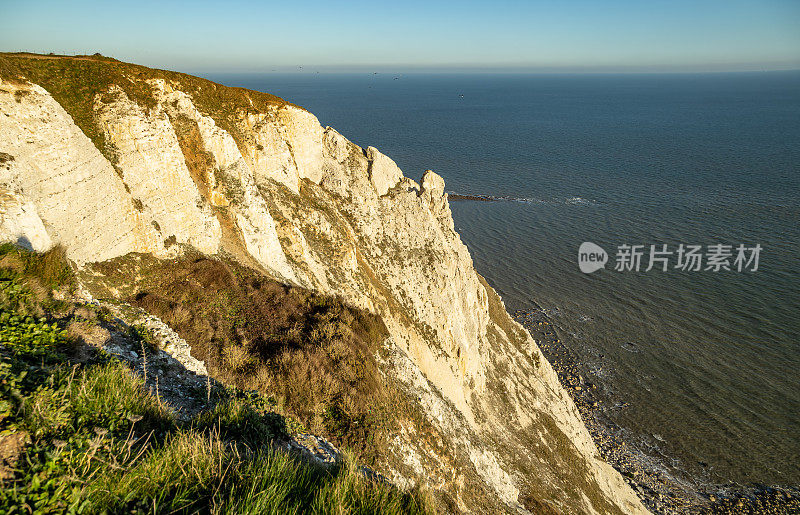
[[279, 192]]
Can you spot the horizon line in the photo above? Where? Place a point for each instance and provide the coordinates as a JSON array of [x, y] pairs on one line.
[[395, 68]]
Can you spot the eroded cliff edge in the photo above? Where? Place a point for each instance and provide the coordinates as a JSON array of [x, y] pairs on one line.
[[108, 158]]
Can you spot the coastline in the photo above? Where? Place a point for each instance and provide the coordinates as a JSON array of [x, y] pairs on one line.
[[661, 491]]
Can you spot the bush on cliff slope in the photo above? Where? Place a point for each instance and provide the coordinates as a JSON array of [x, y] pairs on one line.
[[313, 354], [80, 431]]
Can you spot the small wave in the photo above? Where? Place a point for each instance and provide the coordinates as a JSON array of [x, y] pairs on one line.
[[580, 201], [523, 200], [551, 312]]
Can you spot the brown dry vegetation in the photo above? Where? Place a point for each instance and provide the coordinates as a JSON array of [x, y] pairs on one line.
[[314, 354], [199, 161]]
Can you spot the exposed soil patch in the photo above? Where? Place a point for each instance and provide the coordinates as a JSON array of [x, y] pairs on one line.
[[11, 447]]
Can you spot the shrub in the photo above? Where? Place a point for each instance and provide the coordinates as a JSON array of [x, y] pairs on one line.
[[238, 359], [51, 269], [28, 335], [313, 353], [238, 420], [141, 334]]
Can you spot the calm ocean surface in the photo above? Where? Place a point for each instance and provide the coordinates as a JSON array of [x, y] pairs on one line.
[[708, 362]]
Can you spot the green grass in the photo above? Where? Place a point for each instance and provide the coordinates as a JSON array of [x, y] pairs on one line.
[[97, 440]]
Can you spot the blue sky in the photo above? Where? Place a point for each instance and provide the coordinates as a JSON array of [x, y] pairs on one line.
[[566, 35]]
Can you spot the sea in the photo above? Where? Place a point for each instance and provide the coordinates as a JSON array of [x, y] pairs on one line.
[[701, 366]]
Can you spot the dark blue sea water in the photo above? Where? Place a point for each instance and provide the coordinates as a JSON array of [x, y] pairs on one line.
[[708, 362]]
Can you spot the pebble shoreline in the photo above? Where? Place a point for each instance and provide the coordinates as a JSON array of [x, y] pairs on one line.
[[661, 492]]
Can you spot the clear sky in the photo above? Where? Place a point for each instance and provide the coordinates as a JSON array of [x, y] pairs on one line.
[[565, 35]]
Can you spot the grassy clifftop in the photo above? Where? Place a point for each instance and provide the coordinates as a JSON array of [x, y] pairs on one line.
[[74, 81]]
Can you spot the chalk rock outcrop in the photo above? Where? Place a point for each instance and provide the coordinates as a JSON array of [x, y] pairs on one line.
[[264, 182], [78, 195], [20, 222], [152, 168], [383, 172]]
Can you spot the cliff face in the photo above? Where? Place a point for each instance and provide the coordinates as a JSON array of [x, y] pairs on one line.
[[138, 160]]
